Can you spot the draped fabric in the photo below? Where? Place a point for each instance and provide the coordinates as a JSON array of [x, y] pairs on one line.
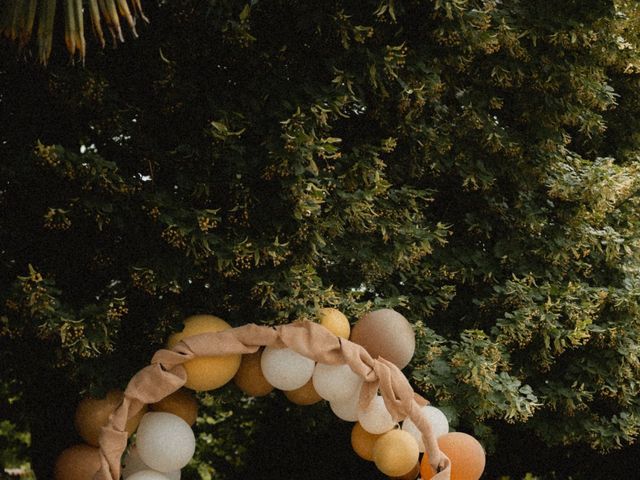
[[166, 374]]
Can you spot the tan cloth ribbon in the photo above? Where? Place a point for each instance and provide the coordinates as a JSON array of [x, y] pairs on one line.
[[166, 374]]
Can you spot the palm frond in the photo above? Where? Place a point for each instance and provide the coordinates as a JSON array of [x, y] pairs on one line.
[[18, 18]]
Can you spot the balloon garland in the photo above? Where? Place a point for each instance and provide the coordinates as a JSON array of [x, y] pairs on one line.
[[309, 362]]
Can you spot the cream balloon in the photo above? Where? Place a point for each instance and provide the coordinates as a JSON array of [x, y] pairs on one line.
[[165, 441], [336, 383], [435, 417], [148, 475], [346, 409], [376, 418], [134, 464], [285, 369]]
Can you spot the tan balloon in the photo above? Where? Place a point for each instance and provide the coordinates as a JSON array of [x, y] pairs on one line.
[[363, 442], [395, 453], [79, 462], [181, 403], [206, 373], [305, 395], [387, 334], [335, 321], [250, 378], [93, 413]]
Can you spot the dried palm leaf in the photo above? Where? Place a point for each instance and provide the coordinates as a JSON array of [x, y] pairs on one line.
[[46, 16], [18, 17]]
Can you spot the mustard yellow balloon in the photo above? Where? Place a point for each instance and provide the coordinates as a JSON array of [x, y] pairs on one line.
[[93, 413], [334, 321], [206, 373], [181, 403], [395, 453], [363, 442], [412, 475], [305, 395]]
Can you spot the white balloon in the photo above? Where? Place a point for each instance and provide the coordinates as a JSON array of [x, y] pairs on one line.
[[285, 369], [148, 475], [165, 441], [346, 409], [133, 464], [437, 420], [336, 382], [376, 418]]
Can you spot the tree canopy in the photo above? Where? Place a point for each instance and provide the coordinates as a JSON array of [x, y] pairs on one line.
[[472, 164]]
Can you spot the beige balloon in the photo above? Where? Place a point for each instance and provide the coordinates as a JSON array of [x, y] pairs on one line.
[[386, 333]]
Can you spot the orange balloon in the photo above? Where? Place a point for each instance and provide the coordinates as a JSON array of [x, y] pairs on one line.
[[466, 454], [387, 334], [249, 378], [181, 403], [79, 462], [363, 441], [305, 395], [93, 413], [395, 453], [335, 321], [412, 475], [206, 373]]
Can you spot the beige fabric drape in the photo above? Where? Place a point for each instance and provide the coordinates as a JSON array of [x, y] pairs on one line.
[[166, 374]]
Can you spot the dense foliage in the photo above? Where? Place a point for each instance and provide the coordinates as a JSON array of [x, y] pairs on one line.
[[473, 164]]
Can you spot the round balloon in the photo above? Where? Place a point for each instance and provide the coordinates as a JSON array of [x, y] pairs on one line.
[[334, 321], [206, 373], [165, 441], [132, 464], [336, 382], [79, 462], [346, 409], [93, 413], [387, 334], [181, 403], [466, 454], [412, 475], [285, 369], [376, 418], [363, 441], [148, 475], [305, 395], [395, 453], [437, 420], [250, 378]]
